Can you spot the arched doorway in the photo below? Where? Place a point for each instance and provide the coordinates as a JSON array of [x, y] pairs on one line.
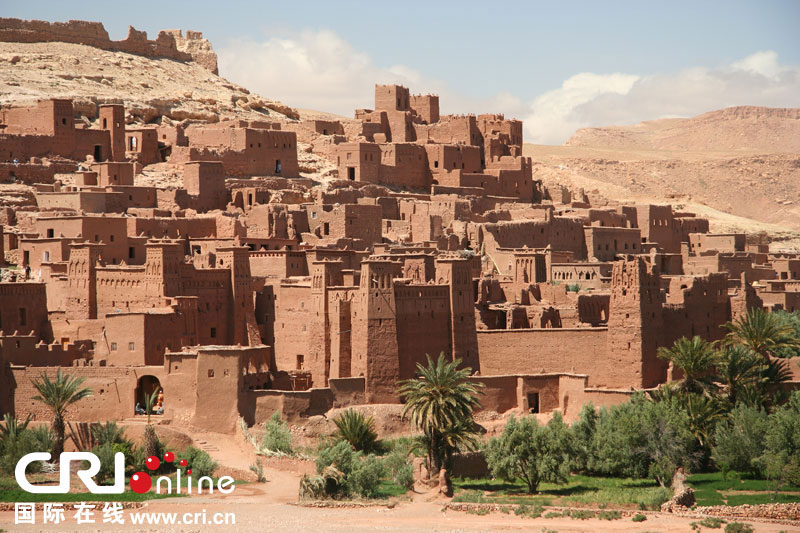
[[145, 387]]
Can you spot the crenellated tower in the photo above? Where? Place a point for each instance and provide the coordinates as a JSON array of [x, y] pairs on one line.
[[457, 273]]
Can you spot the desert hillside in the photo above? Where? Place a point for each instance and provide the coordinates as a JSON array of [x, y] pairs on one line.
[[738, 166], [741, 129], [150, 87]]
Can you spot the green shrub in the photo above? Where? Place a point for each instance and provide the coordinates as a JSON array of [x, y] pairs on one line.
[[581, 514], [782, 443], [105, 453], [470, 496], [108, 433], [529, 511], [366, 476], [481, 511], [639, 517], [609, 515], [643, 438], [341, 455], [12, 449], [710, 522], [739, 440], [200, 463], [357, 429], [574, 287], [553, 514], [277, 436], [399, 468], [258, 469], [531, 452], [738, 527]]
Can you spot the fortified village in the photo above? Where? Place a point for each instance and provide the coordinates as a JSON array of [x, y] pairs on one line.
[[250, 284]]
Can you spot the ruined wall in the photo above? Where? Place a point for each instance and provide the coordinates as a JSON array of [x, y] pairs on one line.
[[169, 44]]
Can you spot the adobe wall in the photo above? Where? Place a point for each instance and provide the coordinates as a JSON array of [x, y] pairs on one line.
[[113, 390], [94, 34], [23, 309], [292, 405], [532, 351]]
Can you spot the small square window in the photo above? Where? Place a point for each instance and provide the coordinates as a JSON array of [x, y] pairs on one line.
[[213, 333], [113, 346], [211, 372], [131, 346]]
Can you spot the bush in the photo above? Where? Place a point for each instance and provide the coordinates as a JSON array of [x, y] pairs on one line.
[[108, 433], [738, 527], [639, 517], [583, 431], [341, 455], [277, 437], [782, 443], [609, 515], [739, 440], [12, 448], [531, 452], [258, 469], [357, 429], [366, 476], [200, 463], [529, 511], [399, 468], [643, 438], [105, 453]]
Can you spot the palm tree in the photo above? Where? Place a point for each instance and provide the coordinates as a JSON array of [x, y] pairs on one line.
[[704, 413], [357, 429], [58, 395], [738, 368], [762, 332], [440, 403], [12, 427], [695, 357], [151, 444]]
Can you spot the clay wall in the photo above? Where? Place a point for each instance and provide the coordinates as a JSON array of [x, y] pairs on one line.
[[113, 398], [141, 145], [23, 309], [604, 243], [555, 350]]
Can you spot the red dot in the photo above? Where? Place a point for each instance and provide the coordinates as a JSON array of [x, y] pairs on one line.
[[169, 457], [184, 462], [141, 482], [189, 472], [153, 462]]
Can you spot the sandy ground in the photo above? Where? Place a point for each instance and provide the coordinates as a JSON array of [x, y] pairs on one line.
[[271, 506]]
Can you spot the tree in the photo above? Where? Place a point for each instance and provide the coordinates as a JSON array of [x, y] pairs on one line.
[[739, 440], [781, 459], [642, 438], [583, 431], [695, 357], [440, 403], [151, 444], [58, 395], [737, 368], [531, 452], [356, 429], [791, 320], [764, 333]]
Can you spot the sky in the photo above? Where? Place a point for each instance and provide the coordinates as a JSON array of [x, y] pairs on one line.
[[557, 65]]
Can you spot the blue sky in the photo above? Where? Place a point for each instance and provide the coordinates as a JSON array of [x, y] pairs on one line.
[[562, 64]]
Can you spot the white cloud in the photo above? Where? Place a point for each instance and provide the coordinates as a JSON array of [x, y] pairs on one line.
[[586, 100], [313, 70], [320, 70]]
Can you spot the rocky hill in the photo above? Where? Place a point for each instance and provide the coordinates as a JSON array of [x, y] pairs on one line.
[[738, 166], [171, 78], [742, 129]]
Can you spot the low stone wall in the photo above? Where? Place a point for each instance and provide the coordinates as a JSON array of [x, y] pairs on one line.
[[766, 511]]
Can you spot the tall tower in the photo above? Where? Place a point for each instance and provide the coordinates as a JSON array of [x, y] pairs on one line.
[[634, 325], [81, 300], [112, 119], [324, 274], [162, 268], [242, 325], [457, 273], [375, 351]]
